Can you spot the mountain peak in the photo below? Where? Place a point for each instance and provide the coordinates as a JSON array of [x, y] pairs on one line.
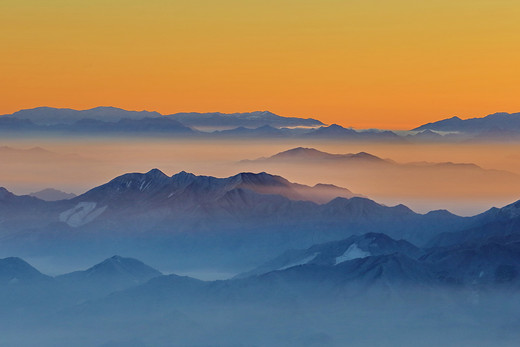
[[4, 193], [51, 194], [13, 270], [156, 173], [117, 265], [261, 178], [366, 156]]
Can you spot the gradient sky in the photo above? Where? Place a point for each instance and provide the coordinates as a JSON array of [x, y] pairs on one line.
[[363, 63]]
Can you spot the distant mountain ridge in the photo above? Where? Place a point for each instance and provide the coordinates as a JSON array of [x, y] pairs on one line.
[[494, 122], [247, 119], [239, 220], [335, 252], [42, 118], [161, 187], [253, 214], [51, 194], [54, 116], [101, 121], [305, 155], [311, 154]]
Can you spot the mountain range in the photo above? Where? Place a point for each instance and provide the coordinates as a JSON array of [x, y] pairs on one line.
[[250, 119], [236, 222], [489, 126], [310, 295], [101, 121], [381, 178], [111, 119], [259, 124], [51, 194]]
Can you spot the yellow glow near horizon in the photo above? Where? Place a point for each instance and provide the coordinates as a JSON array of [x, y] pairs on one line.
[[387, 64]]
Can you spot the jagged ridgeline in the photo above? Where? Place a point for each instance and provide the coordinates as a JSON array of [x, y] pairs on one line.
[[188, 221]]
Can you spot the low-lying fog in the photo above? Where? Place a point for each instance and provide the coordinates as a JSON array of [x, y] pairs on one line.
[[76, 165]]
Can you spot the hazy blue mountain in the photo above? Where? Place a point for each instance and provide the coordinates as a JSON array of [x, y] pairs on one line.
[[114, 273], [51, 194], [88, 126], [336, 131], [497, 121], [263, 131], [15, 271], [237, 222], [312, 304], [249, 119], [11, 124], [53, 116], [478, 263], [335, 252], [110, 120], [496, 222], [429, 136], [148, 125], [241, 221]]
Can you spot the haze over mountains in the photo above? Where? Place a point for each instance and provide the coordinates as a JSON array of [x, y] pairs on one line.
[[259, 124], [232, 223], [325, 263], [311, 297], [51, 194], [498, 121], [390, 181]]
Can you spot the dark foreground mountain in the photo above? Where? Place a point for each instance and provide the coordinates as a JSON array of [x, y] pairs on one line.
[[388, 295]]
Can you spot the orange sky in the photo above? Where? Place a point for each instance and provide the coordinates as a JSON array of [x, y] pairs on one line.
[[362, 63]]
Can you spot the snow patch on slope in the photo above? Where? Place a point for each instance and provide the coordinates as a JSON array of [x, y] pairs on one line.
[[83, 213], [353, 252], [299, 262]]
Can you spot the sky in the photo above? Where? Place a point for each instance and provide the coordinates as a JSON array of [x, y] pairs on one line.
[[361, 63]]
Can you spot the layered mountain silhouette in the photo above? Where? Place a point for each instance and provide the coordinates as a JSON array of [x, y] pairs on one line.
[[238, 222], [258, 124], [497, 123], [311, 154], [255, 214], [336, 131], [371, 277], [51, 194], [255, 119], [302, 155], [335, 252], [15, 271], [102, 121], [54, 116], [380, 177], [112, 119], [112, 274]]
